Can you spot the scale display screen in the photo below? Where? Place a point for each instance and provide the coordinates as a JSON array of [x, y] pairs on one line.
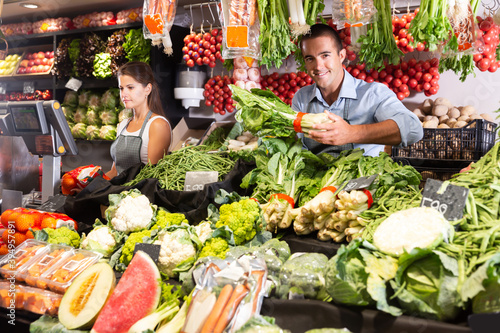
[[26, 119]]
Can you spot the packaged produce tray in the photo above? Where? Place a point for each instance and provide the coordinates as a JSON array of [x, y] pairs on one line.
[[30, 299], [454, 147], [23, 254]]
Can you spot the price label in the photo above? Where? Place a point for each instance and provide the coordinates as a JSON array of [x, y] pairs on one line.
[[29, 87], [196, 180], [153, 250], [3, 87], [444, 197], [73, 84], [359, 183]]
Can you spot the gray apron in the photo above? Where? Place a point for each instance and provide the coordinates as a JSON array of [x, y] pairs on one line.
[[126, 150], [317, 148]]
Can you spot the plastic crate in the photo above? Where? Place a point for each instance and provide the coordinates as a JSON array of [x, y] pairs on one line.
[[453, 147]]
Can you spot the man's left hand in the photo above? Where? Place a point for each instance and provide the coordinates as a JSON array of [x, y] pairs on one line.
[[337, 133]]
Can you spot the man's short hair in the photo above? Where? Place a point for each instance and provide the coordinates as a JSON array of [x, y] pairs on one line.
[[320, 30]]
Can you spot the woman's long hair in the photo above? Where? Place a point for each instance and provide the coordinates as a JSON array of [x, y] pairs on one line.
[[142, 73]]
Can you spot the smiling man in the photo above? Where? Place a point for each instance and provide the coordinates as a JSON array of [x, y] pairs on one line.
[[364, 115]]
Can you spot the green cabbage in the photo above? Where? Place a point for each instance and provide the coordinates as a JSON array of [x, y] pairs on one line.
[[426, 284], [70, 99], [125, 114], [358, 274], [94, 100], [107, 132], [111, 98], [93, 116], [83, 98], [79, 131], [109, 117]]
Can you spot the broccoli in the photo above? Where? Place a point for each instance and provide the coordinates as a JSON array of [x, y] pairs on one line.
[[62, 235], [129, 246], [165, 219], [241, 217], [215, 247]]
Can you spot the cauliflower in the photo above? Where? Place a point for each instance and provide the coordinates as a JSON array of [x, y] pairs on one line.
[[101, 239], [165, 219], [130, 211], [129, 246], [241, 217], [179, 249], [203, 230], [62, 235], [215, 247]]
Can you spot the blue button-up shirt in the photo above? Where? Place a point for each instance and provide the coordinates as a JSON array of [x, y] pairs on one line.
[[367, 103]]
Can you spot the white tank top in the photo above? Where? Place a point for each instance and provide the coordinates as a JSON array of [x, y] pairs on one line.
[[145, 135]]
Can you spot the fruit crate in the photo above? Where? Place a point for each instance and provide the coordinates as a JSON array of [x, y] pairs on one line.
[[35, 62], [453, 148]]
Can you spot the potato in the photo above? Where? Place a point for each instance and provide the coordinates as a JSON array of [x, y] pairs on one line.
[[427, 118], [443, 119], [419, 113], [475, 116], [439, 110], [464, 118], [453, 113], [443, 101], [451, 122], [467, 110], [432, 123], [459, 124], [427, 106], [443, 125], [487, 116]]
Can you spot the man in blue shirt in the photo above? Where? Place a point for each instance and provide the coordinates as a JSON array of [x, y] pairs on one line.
[[364, 115]]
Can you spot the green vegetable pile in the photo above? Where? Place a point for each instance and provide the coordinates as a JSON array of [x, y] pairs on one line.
[[62, 62], [165, 219], [90, 45], [102, 66], [171, 169], [136, 47], [116, 50], [242, 218], [62, 235]]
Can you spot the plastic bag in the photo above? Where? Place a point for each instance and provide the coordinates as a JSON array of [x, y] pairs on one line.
[[246, 73], [241, 29], [227, 294], [79, 178], [158, 20], [462, 21], [352, 13]]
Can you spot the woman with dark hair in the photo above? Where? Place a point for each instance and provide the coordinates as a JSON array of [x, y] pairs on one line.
[[146, 136]]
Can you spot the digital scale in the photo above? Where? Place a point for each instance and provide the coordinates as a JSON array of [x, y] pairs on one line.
[[45, 131]]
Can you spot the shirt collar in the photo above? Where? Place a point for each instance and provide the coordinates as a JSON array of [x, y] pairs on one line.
[[348, 89]]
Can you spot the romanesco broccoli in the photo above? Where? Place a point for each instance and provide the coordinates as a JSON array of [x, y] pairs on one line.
[[128, 247], [165, 219], [63, 235], [241, 218], [215, 247]]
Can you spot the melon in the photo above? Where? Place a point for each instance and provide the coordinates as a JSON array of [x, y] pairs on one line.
[[86, 296], [136, 295]]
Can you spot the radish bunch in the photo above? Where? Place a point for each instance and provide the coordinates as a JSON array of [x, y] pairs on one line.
[[218, 94], [202, 48], [285, 85], [486, 44], [245, 75], [412, 75], [400, 28]]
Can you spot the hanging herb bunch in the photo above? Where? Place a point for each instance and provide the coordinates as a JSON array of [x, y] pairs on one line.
[[116, 50], [90, 45], [62, 62]]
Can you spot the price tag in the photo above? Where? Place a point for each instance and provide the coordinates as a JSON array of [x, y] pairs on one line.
[[359, 183], [73, 84], [196, 180], [153, 250], [53, 204], [28, 87], [3, 87], [446, 198]]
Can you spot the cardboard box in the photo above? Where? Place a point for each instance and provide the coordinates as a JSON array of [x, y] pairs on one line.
[[189, 128]]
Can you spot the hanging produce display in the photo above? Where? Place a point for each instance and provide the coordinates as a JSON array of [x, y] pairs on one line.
[[349, 13], [158, 20], [203, 48], [218, 94]]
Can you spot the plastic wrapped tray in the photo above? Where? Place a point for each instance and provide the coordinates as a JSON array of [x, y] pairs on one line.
[[60, 276], [30, 299], [453, 147], [32, 270], [29, 249], [10, 293]]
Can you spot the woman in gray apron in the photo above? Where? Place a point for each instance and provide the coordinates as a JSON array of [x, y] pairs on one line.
[[146, 136]]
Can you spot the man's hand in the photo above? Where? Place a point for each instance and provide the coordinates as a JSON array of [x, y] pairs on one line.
[[337, 133]]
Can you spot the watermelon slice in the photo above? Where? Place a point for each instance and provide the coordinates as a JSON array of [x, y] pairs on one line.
[[136, 296]]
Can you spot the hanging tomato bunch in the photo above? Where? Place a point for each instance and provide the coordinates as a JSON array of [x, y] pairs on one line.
[[285, 85], [487, 44], [202, 48], [400, 28], [218, 94]]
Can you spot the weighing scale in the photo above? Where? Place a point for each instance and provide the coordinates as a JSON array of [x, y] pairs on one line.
[[45, 131]]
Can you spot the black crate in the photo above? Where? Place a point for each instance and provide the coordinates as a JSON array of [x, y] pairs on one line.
[[449, 147], [436, 173]]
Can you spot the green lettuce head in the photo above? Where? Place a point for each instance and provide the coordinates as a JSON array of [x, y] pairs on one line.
[[107, 132]]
